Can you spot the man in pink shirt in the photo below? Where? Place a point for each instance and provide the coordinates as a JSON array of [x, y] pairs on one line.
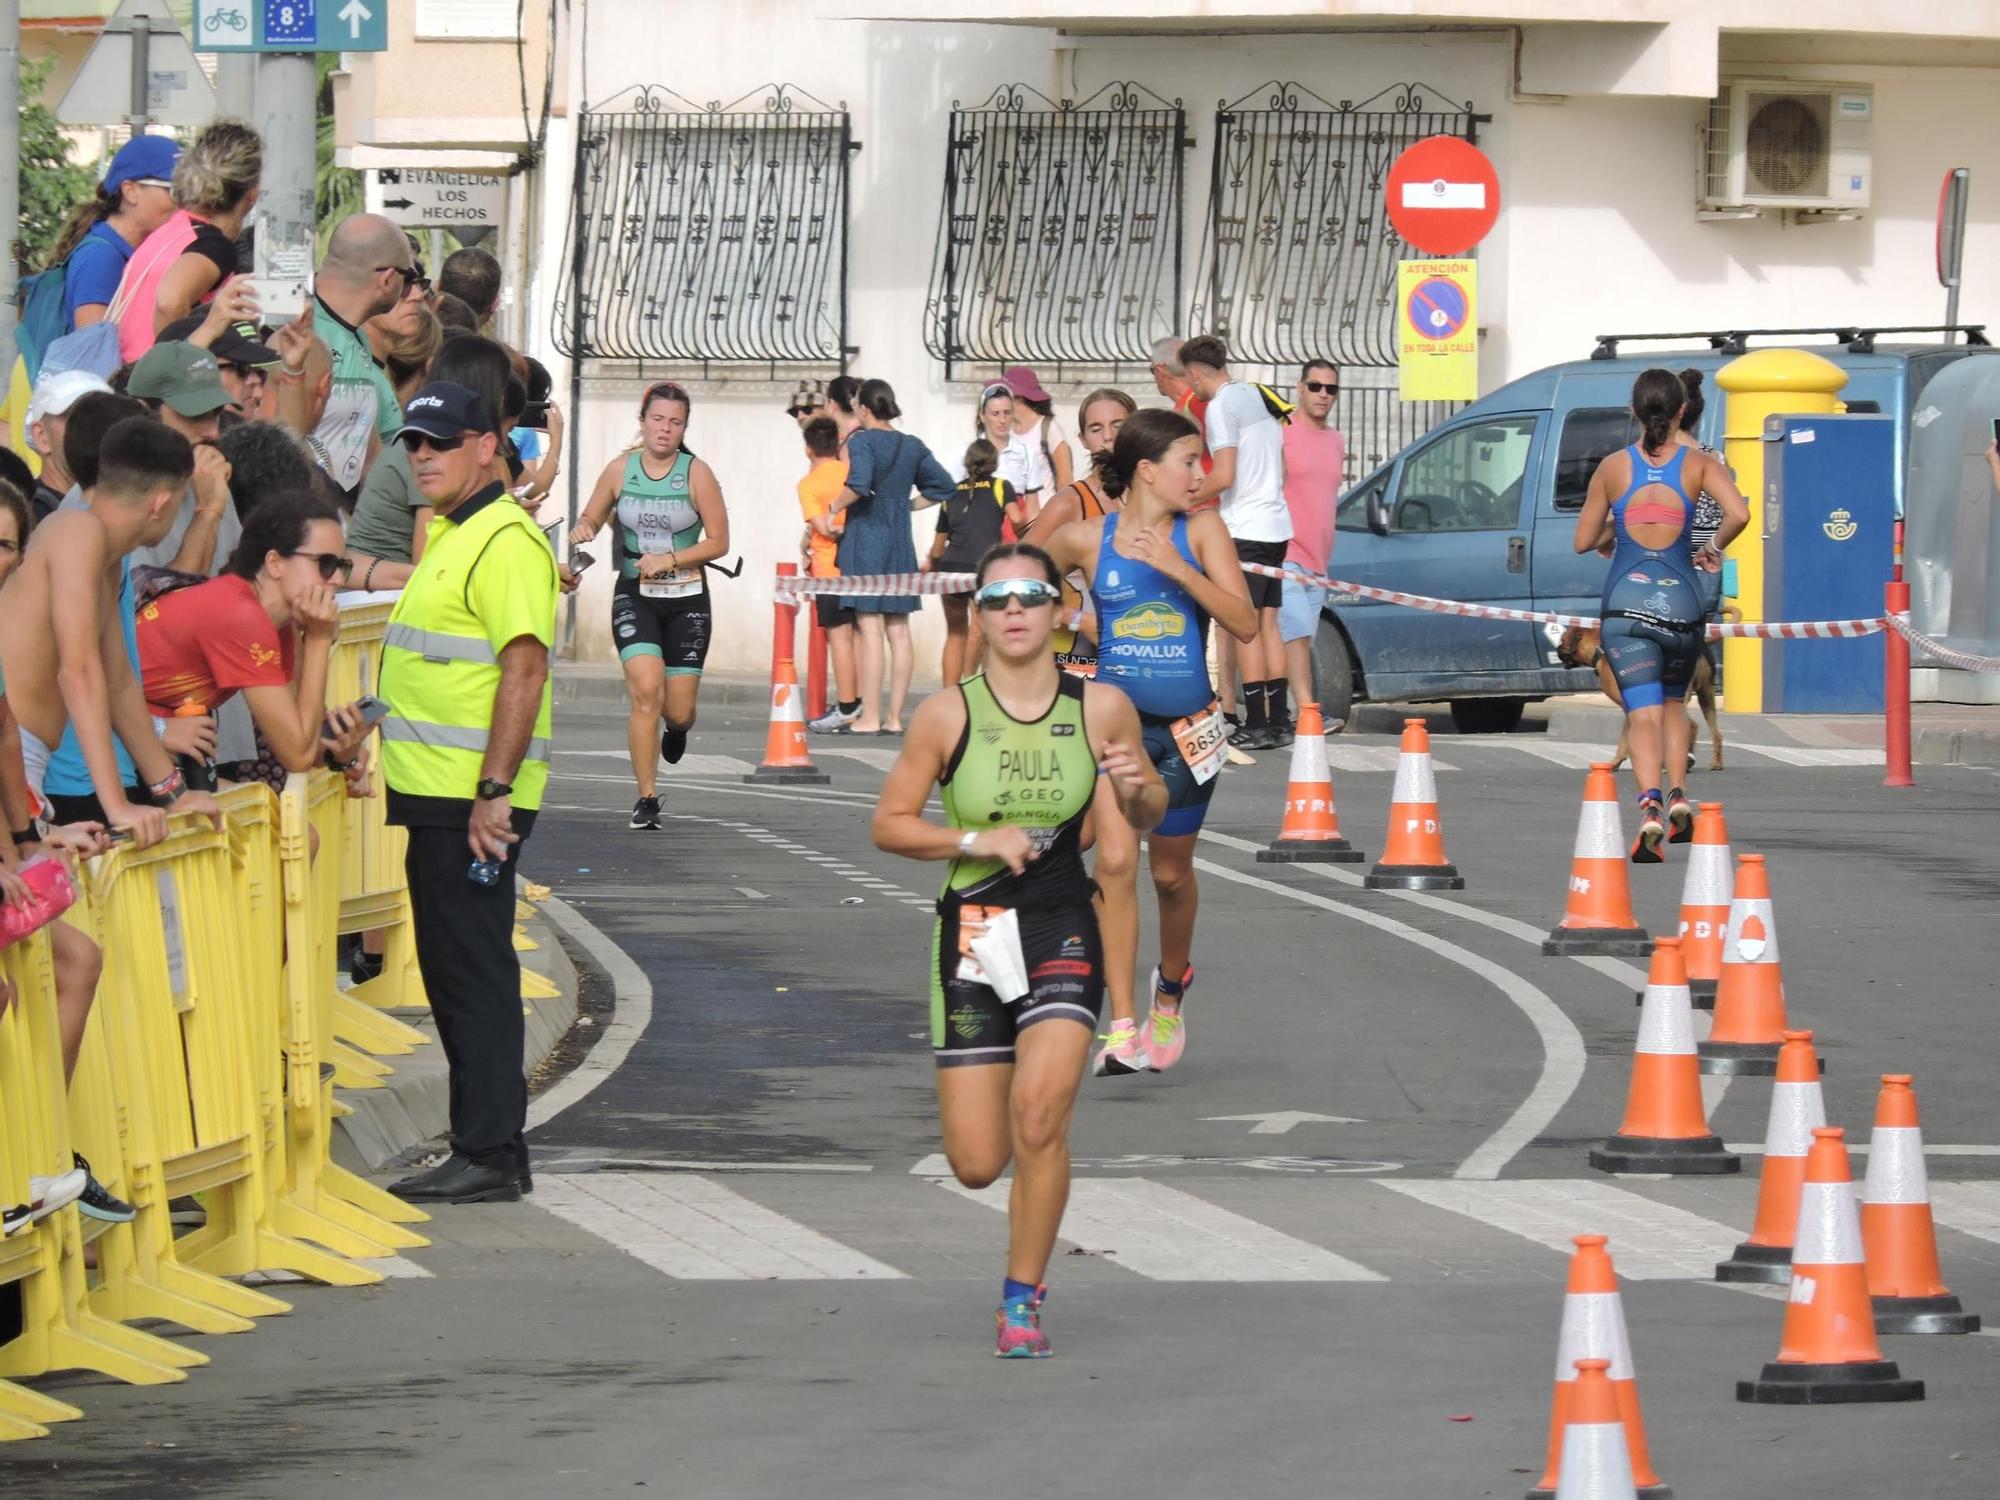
[[1314, 454]]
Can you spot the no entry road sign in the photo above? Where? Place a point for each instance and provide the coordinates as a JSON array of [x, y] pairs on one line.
[[1444, 195]]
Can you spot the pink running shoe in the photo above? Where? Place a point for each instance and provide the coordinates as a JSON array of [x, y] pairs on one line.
[[1121, 1052], [1165, 1034], [1020, 1330]]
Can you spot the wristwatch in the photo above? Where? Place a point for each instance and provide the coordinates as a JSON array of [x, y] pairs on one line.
[[36, 831], [491, 790]]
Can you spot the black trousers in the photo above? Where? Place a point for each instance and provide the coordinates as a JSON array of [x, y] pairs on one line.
[[465, 948]]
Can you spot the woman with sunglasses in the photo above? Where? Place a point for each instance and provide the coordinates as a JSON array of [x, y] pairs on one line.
[[671, 520], [264, 627], [1157, 575], [1016, 984]]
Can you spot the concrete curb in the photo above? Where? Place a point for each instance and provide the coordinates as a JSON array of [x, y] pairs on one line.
[[411, 1110], [1943, 745]]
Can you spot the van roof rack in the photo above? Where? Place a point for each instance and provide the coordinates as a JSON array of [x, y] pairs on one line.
[[1734, 340]]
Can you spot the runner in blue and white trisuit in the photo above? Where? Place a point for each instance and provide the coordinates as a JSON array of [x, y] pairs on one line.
[[669, 520], [1157, 575], [1640, 513]]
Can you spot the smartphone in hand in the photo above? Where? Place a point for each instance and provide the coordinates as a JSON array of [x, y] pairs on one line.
[[373, 711]]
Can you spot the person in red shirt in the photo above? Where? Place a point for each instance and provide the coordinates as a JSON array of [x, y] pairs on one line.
[[263, 627], [1170, 379], [1315, 453]]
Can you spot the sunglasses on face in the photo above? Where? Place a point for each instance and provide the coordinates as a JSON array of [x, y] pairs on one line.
[[1321, 387], [415, 443], [329, 564], [413, 277], [1031, 592]]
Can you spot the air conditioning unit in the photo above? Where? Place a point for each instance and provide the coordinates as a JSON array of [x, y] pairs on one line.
[[1776, 144]]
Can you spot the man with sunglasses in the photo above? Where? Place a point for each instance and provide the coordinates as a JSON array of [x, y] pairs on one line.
[[243, 357], [1315, 454], [465, 749], [368, 269]]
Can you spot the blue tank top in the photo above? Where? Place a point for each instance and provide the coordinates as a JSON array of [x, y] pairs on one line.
[[1655, 584], [1149, 630]]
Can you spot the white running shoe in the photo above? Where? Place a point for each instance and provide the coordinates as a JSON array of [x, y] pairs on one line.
[[48, 1194], [834, 721]]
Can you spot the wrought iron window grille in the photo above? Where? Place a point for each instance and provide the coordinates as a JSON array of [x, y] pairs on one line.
[[1060, 235], [714, 234]]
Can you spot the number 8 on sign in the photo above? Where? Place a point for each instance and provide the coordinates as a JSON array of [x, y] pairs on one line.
[[1437, 308]]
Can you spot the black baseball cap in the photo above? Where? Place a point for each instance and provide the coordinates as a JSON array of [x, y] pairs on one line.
[[238, 344], [443, 409]]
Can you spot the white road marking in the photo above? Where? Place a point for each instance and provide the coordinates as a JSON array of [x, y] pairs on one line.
[[693, 1228], [1800, 755], [1281, 1121], [1931, 1148], [679, 1164], [1342, 755], [631, 1014], [394, 1267], [880, 760], [1969, 1207], [1649, 1241], [1569, 757], [1167, 1235], [689, 765]]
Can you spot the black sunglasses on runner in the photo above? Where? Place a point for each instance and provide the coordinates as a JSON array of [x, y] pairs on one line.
[[416, 442], [1321, 387], [329, 563], [1032, 592]]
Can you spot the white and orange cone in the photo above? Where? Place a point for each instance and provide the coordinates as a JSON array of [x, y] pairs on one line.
[[1750, 997], [1310, 830], [1904, 1281], [1797, 1110], [786, 759], [1596, 1464], [1593, 1330], [1705, 896], [1597, 917], [1828, 1352], [1413, 857], [1665, 1128]]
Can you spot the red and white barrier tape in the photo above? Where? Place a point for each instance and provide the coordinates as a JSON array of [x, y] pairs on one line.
[[881, 585], [1939, 652]]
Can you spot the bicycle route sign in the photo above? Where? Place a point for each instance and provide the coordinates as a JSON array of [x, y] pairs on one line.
[[291, 25]]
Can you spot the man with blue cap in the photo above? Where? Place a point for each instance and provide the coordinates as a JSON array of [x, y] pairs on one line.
[[135, 198]]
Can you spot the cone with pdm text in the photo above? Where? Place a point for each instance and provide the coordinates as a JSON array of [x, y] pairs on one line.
[[1597, 917], [1413, 857], [1596, 1465], [1705, 897], [1310, 831], [1593, 1330], [1828, 1352], [785, 757], [1797, 1110], [1665, 1128], [1750, 996], [1904, 1281]]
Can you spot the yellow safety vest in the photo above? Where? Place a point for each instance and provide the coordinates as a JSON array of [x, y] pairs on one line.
[[440, 672]]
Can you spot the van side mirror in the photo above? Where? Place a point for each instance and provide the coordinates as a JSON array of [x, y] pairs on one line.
[[1378, 512]]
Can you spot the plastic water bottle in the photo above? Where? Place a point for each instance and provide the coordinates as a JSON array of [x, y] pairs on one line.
[[484, 872], [197, 771]]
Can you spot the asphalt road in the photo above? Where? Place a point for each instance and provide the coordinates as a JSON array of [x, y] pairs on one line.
[[742, 1276]]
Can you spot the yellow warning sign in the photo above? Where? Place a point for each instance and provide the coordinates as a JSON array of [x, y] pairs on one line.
[[1437, 320]]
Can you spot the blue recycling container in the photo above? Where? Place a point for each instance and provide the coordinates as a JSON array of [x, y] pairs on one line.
[[1830, 518]]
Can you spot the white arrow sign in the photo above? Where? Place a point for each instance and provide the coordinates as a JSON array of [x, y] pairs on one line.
[[1280, 1122], [354, 13]]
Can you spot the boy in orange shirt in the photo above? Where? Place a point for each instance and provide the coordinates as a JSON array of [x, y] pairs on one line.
[[820, 487]]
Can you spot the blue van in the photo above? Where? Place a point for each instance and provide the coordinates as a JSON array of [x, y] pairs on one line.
[[1483, 509]]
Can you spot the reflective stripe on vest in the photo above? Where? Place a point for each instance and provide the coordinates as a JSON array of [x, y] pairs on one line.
[[450, 737], [433, 645]]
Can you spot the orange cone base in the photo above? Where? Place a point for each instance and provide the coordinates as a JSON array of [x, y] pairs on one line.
[[790, 775], [1770, 1264], [1923, 1315], [1414, 878], [1333, 851], [1830, 1385], [1687, 1156], [1607, 942], [1747, 1059], [1699, 998]]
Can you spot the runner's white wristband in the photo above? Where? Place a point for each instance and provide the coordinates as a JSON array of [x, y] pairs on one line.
[[965, 844]]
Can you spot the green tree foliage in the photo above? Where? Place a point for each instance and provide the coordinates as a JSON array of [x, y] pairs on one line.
[[51, 184], [336, 190]]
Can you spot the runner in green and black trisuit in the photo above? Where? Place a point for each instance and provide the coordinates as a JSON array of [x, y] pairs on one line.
[[1017, 982], [670, 521]]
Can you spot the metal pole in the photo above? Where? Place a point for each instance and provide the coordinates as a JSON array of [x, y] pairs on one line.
[[10, 181], [142, 33], [236, 85], [287, 105]]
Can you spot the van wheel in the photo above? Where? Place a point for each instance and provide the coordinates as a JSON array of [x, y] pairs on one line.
[[1487, 715], [1333, 673]]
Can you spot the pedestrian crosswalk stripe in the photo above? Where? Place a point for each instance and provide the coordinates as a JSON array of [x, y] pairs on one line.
[[881, 760], [1969, 1207], [1649, 1241], [1800, 755], [1167, 1235], [1569, 757], [1344, 756], [692, 1228]]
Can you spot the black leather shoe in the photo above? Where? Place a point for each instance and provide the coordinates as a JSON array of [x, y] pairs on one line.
[[461, 1181], [527, 1180]]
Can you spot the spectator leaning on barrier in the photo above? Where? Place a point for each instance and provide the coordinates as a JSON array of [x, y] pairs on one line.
[[472, 276], [48, 419], [182, 386], [465, 671], [367, 270], [1315, 453]]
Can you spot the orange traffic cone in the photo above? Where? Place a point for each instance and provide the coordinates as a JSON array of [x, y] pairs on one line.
[[1598, 917], [1904, 1282], [1310, 832], [1750, 996], [1705, 897], [1413, 856], [1596, 1465], [785, 757], [1665, 1129], [1593, 1334], [1828, 1352], [1797, 1110]]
